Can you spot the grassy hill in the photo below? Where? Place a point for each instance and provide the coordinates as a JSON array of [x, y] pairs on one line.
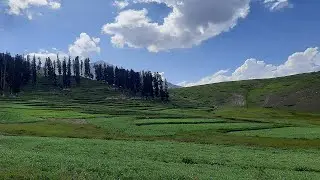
[[298, 92], [97, 132]]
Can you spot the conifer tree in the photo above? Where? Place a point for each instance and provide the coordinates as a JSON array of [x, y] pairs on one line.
[[147, 85], [105, 73], [166, 92], [77, 70], [39, 65], [87, 68], [110, 75], [81, 68], [98, 72], [137, 82], [116, 77], [156, 84], [59, 66], [54, 73], [3, 71], [17, 74], [64, 73], [50, 71], [34, 70], [26, 73], [73, 67], [69, 73], [161, 89], [45, 68]]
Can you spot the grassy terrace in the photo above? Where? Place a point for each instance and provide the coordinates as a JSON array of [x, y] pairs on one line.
[[94, 132]]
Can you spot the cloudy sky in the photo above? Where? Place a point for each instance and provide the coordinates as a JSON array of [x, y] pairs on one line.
[[192, 41]]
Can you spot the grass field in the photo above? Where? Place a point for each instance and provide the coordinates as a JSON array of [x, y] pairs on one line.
[[297, 93], [94, 132]]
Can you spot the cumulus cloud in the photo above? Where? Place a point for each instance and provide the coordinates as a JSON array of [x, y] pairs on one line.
[[43, 54], [121, 4], [300, 62], [21, 7], [55, 5], [190, 23], [275, 5], [84, 46]]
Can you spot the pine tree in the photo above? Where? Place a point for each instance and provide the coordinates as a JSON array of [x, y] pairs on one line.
[[156, 84], [51, 71], [69, 73], [110, 75], [34, 70], [64, 73], [3, 72], [131, 81], [59, 66], [147, 85], [105, 73], [98, 72], [54, 73], [26, 74], [73, 67], [10, 74], [137, 82], [1, 69], [161, 89], [39, 65], [17, 74], [81, 68], [45, 68], [150, 85], [87, 68], [116, 77], [77, 70], [166, 92]]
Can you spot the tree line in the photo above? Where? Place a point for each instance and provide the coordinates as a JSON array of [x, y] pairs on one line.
[[18, 71]]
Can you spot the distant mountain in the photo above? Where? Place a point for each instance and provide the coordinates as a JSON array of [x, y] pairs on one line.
[[100, 62], [173, 86]]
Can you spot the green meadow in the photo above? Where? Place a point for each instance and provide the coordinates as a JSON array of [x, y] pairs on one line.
[[94, 132]]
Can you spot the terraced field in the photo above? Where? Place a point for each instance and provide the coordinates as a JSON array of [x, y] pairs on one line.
[[103, 134]]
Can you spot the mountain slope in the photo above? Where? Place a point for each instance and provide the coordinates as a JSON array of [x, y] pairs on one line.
[[298, 92], [173, 86]]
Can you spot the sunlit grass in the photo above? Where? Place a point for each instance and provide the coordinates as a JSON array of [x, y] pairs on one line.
[[286, 132], [55, 158]]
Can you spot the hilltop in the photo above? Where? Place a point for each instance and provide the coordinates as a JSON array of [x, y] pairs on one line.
[[299, 92]]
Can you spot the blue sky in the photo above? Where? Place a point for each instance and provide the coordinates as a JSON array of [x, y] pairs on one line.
[[261, 40]]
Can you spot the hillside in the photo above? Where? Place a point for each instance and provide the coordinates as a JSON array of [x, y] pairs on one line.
[[94, 131], [298, 92]]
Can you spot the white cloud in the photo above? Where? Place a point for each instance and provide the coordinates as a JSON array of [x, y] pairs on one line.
[[21, 7], [275, 5], [162, 74], [190, 23], [121, 4], [43, 54], [55, 5], [300, 62], [84, 46]]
